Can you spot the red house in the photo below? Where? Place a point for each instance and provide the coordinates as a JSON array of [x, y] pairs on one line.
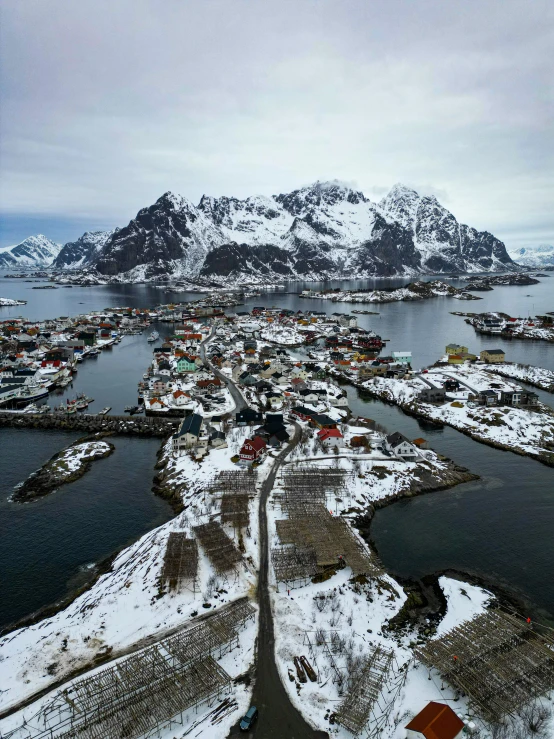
[[252, 449], [330, 437], [435, 721]]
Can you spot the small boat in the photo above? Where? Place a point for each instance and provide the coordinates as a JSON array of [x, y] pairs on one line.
[[127, 408], [136, 409], [79, 358], [93, 353], [145, 376], [154, 336], [105, 410]]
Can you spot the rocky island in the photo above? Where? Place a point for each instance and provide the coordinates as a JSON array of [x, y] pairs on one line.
[[419, 290], [66, 466], [5, 302], [485, 282]]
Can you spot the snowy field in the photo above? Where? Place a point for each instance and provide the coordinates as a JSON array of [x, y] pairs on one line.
[[517, 429], [128, 604], [336, 623], [537, 376]]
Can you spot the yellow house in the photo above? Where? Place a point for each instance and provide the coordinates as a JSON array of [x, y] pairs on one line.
[[456, 349], [455, 359], [493, 356]]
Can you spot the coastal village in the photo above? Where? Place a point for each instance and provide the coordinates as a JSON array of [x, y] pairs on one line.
[[265, 452]]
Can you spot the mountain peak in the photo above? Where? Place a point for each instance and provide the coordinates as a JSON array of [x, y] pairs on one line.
[[174, 201], [34, 251]]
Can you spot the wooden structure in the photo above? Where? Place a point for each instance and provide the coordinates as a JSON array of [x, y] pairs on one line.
[[235, 489], [364, 689], [219, 548], [149, 690], [499, 660], [312, 540], [180, 560]]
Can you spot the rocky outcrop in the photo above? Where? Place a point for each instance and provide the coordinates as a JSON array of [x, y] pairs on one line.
[[83, 252], [169, 236], [64, 467]]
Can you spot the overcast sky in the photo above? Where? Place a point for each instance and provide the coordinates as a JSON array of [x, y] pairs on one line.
[[109, 103]]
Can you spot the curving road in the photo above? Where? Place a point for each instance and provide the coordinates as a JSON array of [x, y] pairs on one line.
[[240, 402]]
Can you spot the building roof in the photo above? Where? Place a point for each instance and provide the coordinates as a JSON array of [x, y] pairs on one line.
[[302, 410], [322, 418], [256, 443], [190, 425], [396, 438], [329, 434], [436, 721], [494, 351], [248, 413]]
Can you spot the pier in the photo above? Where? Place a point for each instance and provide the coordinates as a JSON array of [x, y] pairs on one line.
[[128, 425]]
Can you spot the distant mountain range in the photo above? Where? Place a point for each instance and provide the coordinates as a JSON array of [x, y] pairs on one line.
[[325, 230], [541, 255], [36, 251]]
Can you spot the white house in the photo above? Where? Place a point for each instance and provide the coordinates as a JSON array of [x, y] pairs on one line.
[[340, 401], [180, 398], [156, 405], [400, 447], [330, 438], [189, 434]]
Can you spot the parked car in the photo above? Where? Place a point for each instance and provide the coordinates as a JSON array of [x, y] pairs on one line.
[[248, 719]]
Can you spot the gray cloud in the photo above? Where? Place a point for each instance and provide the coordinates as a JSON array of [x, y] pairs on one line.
[[107, 105]]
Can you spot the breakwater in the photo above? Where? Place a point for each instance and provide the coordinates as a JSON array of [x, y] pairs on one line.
[[129, 425]]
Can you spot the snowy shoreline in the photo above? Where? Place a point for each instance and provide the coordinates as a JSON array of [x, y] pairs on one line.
[[8, 302], [461, 418], [535, 376], [64, 467], [414, 291]]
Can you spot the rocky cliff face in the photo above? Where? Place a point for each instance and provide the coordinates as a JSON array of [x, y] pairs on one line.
[[444, 244], [35, 251], [83, 252], [171, 236], [324, 230]]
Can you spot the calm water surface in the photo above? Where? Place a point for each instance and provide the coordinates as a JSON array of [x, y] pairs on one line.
[[500, 527], [47, 546]]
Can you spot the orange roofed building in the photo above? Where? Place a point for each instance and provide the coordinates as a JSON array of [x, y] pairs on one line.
[[436, 721]]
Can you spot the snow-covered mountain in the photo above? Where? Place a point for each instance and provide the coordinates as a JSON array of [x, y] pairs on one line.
[[541, 255], [323, 230], [81, 253], [35, 251], [444, 244]]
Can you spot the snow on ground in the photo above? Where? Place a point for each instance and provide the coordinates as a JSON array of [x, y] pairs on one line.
[[356, 610], [537, 376], [518, 429], [437, 288], [72, 459], [197, 722], [4, 302], [286, 335], [126, 604], [463, 603]]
